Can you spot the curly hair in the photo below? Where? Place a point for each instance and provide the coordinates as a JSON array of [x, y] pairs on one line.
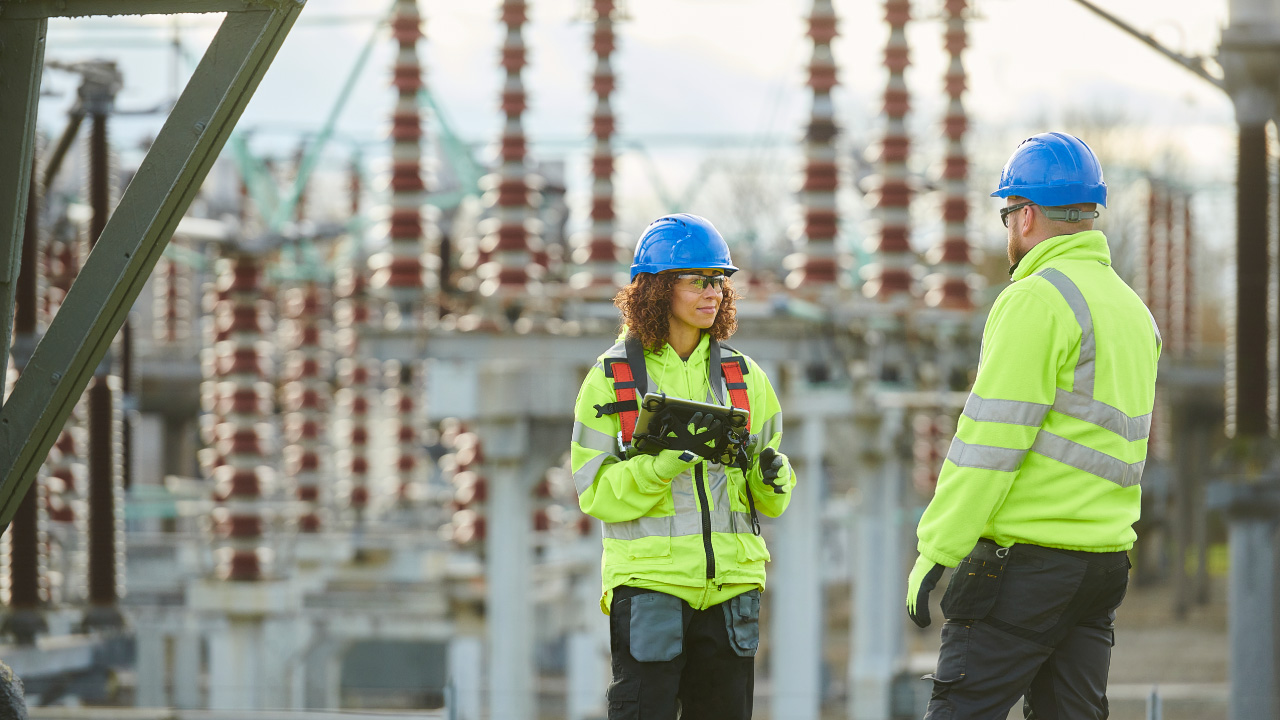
[[646, 310]]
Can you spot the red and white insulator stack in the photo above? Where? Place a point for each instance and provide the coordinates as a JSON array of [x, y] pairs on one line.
[[61, 260], [511, 255], [1166, 276], [354, 380], [546, 514], [66, 477], [352, 430], [555, 504], [820, 267], [1154, 276], [401, 400], [1183, 287], [304, 396], [397, 274], [470, 489], [601, 257], [949, 286], [172, 305], [238, 394], [889, 276]]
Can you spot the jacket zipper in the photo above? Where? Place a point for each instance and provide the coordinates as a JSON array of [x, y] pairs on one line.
[[706, 520]]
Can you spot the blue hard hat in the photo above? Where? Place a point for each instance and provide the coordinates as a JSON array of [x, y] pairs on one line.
[[681, 242], [1053, 169]]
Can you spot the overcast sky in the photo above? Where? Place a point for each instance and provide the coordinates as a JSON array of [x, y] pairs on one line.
[[691, 71]]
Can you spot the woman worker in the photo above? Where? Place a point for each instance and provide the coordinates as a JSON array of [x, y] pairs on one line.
[[684, 562]]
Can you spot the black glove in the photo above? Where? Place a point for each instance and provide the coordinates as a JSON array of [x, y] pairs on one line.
[[923, 579], [772, 464], [705, 423]]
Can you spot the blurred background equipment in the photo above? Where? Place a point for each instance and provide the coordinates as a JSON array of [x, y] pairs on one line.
[[287, 421]]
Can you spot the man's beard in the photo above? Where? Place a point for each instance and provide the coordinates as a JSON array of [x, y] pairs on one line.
[[1014, 252]]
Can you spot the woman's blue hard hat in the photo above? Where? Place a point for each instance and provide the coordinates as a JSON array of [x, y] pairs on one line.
[[681, 242]]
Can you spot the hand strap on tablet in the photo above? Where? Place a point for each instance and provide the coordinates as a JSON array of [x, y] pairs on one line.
[[631, 382]]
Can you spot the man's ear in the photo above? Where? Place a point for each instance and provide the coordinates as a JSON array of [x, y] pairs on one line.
[[1027, 218]]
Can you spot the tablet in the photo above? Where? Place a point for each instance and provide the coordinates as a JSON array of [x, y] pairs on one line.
[[657, 410]]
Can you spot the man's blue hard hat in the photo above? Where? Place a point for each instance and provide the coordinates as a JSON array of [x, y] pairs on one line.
[[681, 242], [1053, 169]]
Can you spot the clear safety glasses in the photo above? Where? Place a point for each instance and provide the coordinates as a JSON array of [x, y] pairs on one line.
[[1005, 211], [701, 282]]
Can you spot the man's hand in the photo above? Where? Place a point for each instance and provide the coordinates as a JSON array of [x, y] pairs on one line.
[[773, 466], [922, 580]]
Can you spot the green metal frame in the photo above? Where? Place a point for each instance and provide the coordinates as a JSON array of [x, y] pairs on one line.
[[21, 64], [136, 234]]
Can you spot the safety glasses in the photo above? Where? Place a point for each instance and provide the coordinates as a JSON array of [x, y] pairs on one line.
[[700, 282], [1004, 212]]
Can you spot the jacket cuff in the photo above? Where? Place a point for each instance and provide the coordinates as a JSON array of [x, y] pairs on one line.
[[933, 554]]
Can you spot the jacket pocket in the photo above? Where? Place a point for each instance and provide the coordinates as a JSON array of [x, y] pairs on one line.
[[654, 549], [624, 699], [751, 548], [742, 621], [657, 627], [1039, 585], [973, 589], [953, 656], [953, 659]]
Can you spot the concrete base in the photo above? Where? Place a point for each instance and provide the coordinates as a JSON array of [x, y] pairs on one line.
[[268, 597], [253, 633]]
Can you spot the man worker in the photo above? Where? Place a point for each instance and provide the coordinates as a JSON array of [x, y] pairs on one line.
[[1036, 500]]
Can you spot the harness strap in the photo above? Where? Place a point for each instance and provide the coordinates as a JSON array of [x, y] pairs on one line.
[[733, 371], [631, 382], [626, 407]]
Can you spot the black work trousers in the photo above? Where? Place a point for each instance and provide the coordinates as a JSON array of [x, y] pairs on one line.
[[671, 661], [1028, 622]]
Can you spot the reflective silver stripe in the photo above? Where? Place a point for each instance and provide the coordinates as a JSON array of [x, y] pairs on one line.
[[768, 429], [1088, 346], [681, 524], [1156, 328], [682, 493], [718, 487], [1103, 415], [586, 474], [593, 439], [1010, 412], [1087, 459], [985, 457]]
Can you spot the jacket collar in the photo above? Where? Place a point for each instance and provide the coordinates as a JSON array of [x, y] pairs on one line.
[[1087, 245], [701, 352]]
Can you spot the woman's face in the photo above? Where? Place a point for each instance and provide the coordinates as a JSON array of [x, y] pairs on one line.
[[693, 305]]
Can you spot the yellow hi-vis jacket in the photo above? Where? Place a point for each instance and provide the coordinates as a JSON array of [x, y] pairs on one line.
[[1050, 448], [654, 527]]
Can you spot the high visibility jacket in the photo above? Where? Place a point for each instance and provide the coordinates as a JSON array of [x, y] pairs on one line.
[[654, 527], [1050, 447]]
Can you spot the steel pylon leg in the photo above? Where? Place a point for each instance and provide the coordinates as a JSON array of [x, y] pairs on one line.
[[134, 237]]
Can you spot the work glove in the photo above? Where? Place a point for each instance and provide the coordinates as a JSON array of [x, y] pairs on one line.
[[705, 425], [669, 464], [922, 580], [773, 466]]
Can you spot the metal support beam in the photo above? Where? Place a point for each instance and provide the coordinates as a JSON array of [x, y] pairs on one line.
[[1194, 64], [22, 60], [39, 9], [135, 236]]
